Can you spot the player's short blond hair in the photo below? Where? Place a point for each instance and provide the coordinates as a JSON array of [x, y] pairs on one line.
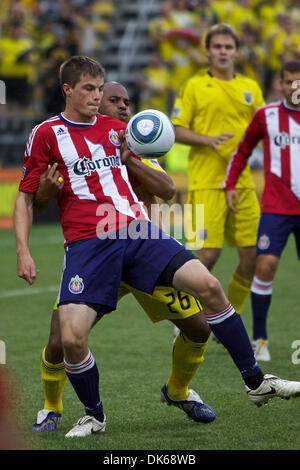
[[221, 28]]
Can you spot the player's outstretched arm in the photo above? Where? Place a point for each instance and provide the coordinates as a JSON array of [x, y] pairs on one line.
[[154, 181], [151, 204], [22, 217], [188, 137], [51, 182]]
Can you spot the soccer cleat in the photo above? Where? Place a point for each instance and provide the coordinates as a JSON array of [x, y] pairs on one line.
[[271, 387], [260, 349], [47, 420], [86, 426], [193, 406], [176, 332]]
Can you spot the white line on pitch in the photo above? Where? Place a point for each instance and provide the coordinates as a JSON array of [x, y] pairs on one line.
[[28, 291]]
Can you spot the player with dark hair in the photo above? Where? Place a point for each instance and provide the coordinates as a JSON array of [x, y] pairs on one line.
[[100, 251], [278, 126], [165, 303]]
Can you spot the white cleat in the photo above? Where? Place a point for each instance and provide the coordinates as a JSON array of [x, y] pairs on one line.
[[271, 387], [86, 426], [176, 332], [260, 349]]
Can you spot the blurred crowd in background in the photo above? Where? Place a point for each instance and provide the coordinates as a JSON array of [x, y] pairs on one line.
[[269, 33], [37, 36]]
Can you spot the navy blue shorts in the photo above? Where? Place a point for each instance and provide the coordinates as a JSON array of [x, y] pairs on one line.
[[274, 231], [94, 268]]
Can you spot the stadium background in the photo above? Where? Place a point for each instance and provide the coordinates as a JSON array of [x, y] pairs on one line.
[[152, 46]]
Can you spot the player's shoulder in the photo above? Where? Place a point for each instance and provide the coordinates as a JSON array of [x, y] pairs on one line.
[[272, 105], [47, 122], [202, 76], [269, 108], [195, 82], [42, 128], [244, 80], [266, 111]]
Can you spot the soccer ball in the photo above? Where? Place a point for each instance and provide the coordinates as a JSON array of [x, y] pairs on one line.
[[150, 134]]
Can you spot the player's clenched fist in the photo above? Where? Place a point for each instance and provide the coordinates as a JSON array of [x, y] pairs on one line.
[[51, 182], [26, 268]]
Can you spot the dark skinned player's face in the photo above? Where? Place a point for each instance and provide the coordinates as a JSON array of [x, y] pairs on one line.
[[115, 102]]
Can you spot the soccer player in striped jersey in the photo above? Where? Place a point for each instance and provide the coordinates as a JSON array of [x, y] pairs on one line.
[[102, 250], [278, 126], [165, 303]]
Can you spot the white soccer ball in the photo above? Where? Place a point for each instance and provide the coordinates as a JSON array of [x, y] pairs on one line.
[[150, 134]]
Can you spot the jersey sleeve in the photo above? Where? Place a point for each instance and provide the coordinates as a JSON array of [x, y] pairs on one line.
[[182, 113], [36, 160], [153, 163], [254, 133], [258, 98]]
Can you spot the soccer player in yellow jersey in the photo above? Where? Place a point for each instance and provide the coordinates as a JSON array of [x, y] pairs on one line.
[[210, 114], [165, 303]]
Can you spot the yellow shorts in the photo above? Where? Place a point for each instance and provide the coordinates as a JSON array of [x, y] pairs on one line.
[[166, 303], [220, 223]]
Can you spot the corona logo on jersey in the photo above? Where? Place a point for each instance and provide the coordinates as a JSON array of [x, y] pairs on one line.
[[283, 139], [76, 285], [85, 167]]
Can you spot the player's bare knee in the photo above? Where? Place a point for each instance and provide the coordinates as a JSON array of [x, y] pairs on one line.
[[210, 288], [247, 267], [195, 328], [200, 334], [209, 257], [266, 267], [72, 343], [265, 272]]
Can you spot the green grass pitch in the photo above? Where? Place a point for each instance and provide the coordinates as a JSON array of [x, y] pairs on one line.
[[134, 359]]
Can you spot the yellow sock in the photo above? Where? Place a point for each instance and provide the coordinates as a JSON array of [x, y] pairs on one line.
[[187, 357], [53, 380], [238, 291]]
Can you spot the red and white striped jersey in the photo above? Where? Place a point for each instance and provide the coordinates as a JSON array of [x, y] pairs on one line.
[[97, 195], [279, 128]]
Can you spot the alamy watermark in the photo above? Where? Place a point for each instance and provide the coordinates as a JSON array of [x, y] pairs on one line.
[[296, 354], [2, 92], [296, 94], [2, 352], [184, 222]]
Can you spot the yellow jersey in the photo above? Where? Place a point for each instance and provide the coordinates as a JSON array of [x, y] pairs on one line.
[[210, 106], [12, 50]]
